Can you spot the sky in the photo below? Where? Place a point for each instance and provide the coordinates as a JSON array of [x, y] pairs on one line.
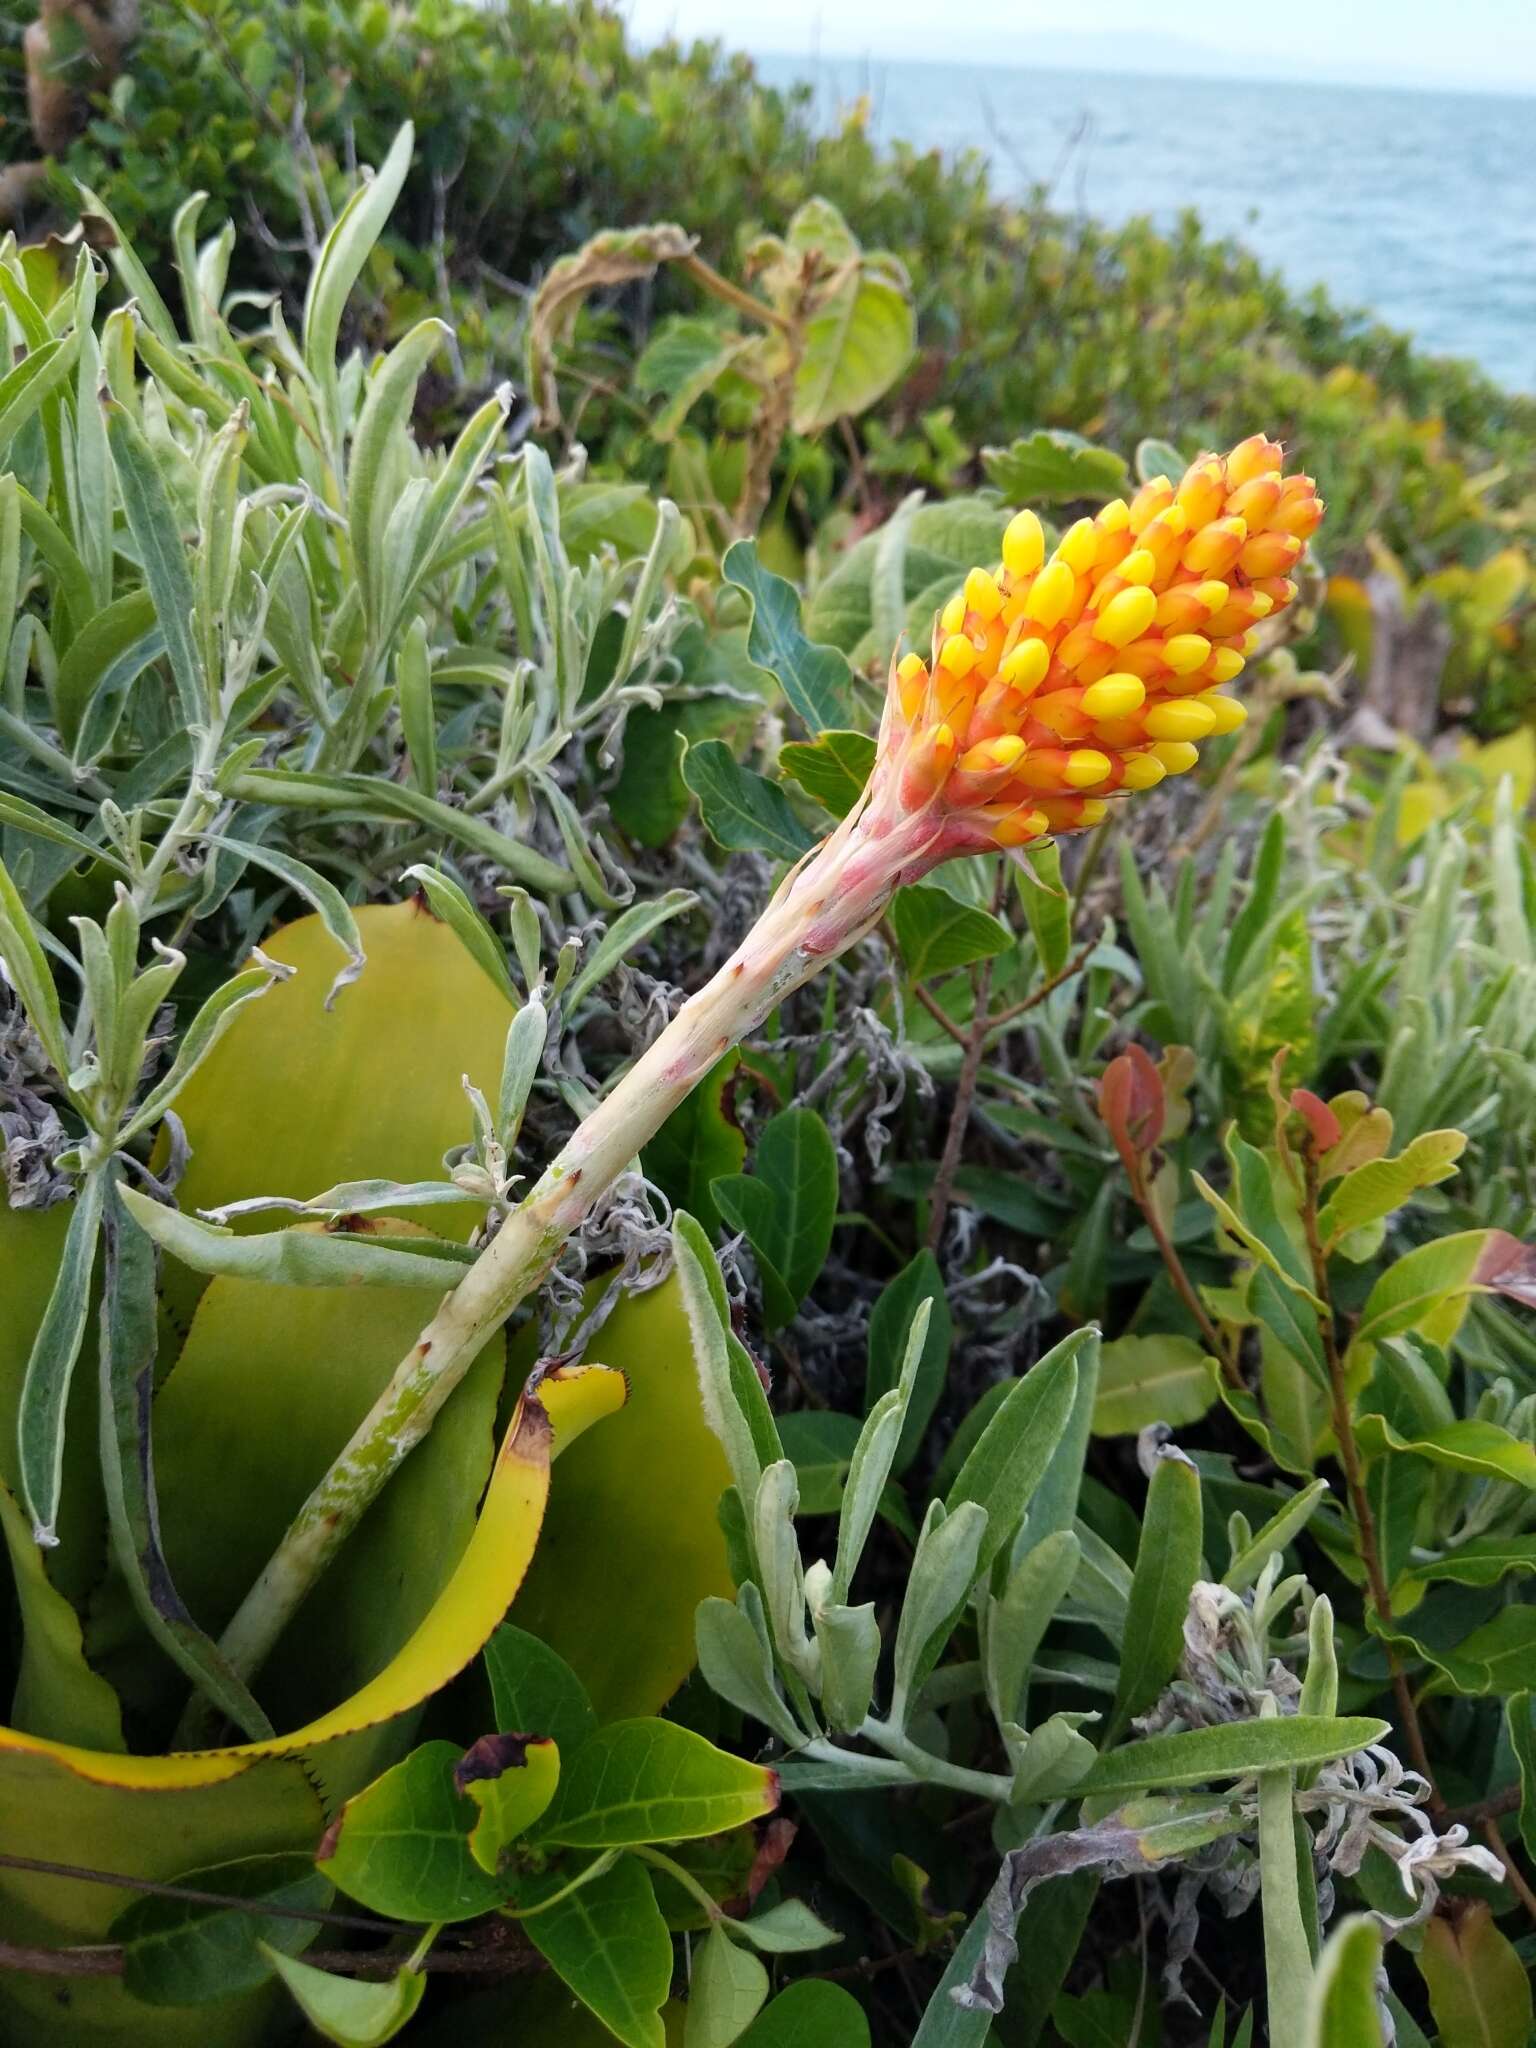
[[1472, 44]]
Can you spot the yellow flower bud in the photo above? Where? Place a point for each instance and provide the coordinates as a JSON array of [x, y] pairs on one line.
[[1143, 771], [1177, 756], [1085, 767], [1185, 652], [1078, 546], [952, 618], [1094, 811], [1140, 566], [1019, 827], [1185, 719], [1126, 617], [957, 655], [1023, 544], [911, 685], [1229, 713], [1224, 664], [982, 595], [1051, 594], [1024, 669], [988, 755], [1114, 697]]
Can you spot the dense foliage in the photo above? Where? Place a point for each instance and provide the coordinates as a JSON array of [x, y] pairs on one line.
[[1005, 1515]]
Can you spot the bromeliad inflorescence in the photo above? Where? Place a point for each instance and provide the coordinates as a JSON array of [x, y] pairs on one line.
[[1056, 683]]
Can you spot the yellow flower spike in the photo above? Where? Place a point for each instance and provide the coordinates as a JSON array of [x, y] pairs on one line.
[[1078, 546], [1086, 767], [1126, 617], [982, 596], [1224, 665], [1115, 697], [1143, 771], [1185, 652], [952, 618], [1023, 544], [1228, 712], [1051, 594], [1186, 718], [1177, 756], [957, 655], [1140, 566], [1019, 827], [1025, 668]]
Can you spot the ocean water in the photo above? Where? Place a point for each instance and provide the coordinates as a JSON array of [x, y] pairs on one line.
[[1416, 208]]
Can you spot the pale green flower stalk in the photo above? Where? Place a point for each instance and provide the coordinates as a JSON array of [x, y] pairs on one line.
[[1056, 684]]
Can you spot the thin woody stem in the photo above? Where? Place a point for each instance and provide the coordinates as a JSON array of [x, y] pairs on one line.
[[729, 294], [1180, 1281]]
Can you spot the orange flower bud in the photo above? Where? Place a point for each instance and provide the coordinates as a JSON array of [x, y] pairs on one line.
[[1270, 554], [1252, 458], [1201, 494], [1254, 502], [1215, 548], [1149, 501]]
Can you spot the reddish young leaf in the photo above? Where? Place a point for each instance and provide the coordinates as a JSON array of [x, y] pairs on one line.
[[1319, 1119], [1131, 1102]]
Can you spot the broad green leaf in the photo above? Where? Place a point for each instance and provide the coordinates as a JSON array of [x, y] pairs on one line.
[[1014, 1450], [725, 1993], [936, 934], [1051, 466], [187, 1952], [608, 1941], [1480, 1561], [786, 1206], [890, 1326], [1480, 1447], [789, 1928], [816, 679], [1047, 904], [683, 359], [1375, 1190], [1162, 1378], [1155, 458], [742, 810], [401, 1846], [1497, 1658], [651, 1781], [855, 345], [1342, 2010], [833, 768], [810, 2013], [387, 1063], [535, 1692], [1478, 1989], [351, 2011], [697, 1145], [511, 1778], [1167, 1565], [1237, 1749], [1424, 1291], [660, 1479]]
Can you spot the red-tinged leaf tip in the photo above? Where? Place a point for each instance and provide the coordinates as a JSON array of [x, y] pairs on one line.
[[1318, 1118], [1506, 1266], [1133, 1105], [773, 1846]]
